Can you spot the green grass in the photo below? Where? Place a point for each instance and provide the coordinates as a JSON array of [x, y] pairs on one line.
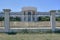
[[18, 36]]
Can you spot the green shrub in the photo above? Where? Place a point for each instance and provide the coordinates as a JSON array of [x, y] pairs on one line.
[[11, 33]]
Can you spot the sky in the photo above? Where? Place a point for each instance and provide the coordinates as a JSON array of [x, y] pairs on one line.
[[41, 5]]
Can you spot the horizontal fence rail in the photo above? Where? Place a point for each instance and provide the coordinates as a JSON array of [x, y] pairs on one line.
[[29, 24]]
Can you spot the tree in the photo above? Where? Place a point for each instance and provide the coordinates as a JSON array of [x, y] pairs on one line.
[[12, 19], [44, 18], [1, 18], [58, 18], [18, 18]]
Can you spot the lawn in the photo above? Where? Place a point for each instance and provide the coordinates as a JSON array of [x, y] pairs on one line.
[[19, 36]]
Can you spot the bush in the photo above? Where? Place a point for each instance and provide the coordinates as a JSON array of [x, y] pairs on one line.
[[44, 18], [57, 31], [1, 18], [57, 18], [25, 31], [11, 33]]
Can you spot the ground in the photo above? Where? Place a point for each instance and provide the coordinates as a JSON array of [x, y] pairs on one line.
[[18, 36]]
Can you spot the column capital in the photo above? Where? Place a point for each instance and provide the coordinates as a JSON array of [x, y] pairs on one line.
[[6, 10], [52, 11]]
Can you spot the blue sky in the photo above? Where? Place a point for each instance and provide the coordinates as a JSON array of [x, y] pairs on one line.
[[41, 5]]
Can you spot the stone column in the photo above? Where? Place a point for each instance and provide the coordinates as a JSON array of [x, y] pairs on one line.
[[52, 20], [31, 15], [6, 20], [22, 16], [35, 15], [26, 16]]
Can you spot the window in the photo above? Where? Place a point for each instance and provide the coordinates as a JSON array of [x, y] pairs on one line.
[[29, 18], [29, 13], [24, 13], [33, 18], [33, 13]]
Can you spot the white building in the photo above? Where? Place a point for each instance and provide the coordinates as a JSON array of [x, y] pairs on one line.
[[29, 14]]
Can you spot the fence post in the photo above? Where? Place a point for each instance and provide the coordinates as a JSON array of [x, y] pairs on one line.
[[52, 20], [6, 20]]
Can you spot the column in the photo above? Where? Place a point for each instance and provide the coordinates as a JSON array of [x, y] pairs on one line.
[[22, 16], [35, 15], [26, 16], [52, 20], [31, 15], [6, 20]]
